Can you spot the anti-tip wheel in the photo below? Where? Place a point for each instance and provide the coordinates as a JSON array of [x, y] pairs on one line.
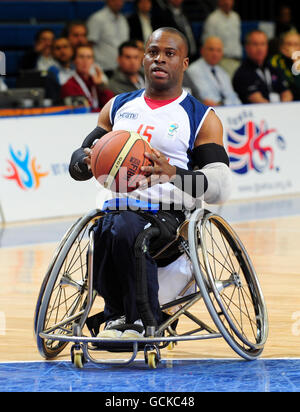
[[78, 360], [152, 360]]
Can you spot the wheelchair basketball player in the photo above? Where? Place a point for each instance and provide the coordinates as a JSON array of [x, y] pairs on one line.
[[189, 162]]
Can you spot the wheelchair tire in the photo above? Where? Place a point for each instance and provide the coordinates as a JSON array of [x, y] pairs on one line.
[[228, 283], [64, 290], [49, 271]]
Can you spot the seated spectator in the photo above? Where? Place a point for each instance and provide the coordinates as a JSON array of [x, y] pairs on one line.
[[76, 33], [3, 86], [172, 16], [87, 80], [40, 57], [289, 44], [213, 83], [127, 76], [256, 80], [226, 24], [140, 24], [108, 28], [63, 67]]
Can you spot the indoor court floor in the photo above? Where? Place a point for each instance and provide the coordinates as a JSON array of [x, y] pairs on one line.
[[270, 231]]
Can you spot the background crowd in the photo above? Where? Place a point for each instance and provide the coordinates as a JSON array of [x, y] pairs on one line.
[[92, 61]]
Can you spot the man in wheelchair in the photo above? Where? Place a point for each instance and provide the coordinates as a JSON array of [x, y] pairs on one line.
[[190, 163]]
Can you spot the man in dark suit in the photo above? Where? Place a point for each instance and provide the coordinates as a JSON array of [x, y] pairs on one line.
[[170, 14], [140, 22]]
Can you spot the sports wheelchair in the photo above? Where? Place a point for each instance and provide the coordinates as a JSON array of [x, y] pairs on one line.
[[223, 281]]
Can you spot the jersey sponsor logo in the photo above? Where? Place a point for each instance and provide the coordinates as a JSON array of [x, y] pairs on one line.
[[128, 116], [23, 169], [253, 147]]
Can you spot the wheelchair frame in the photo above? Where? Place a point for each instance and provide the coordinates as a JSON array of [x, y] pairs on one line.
[[199, 243]]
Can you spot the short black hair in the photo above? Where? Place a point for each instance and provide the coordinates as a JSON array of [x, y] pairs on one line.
[[128, 43], [68, 27], [172, 30], [41, 31]]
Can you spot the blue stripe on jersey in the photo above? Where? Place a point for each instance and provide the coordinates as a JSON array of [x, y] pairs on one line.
[[123, 98], [195, 111]]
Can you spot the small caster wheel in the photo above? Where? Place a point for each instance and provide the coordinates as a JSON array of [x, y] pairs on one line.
[[152, 360], [78, 360], [171, 345]]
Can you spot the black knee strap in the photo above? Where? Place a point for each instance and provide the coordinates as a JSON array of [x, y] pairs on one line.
[[142, 301]]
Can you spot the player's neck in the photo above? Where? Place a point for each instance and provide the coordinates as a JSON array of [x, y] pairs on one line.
[[168, 94]]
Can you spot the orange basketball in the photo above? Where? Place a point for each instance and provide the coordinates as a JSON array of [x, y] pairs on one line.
[[117, 158]]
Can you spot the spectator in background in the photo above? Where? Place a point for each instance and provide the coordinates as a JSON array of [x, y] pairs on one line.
[[226, 24], [108, 28], [63, 67], [283, 61], [127, 77], [3, 86], [256, 80], [87, 80], [140, 23], [213, 83], [40, 57], [76, 33], [173, 16], [284, 22]]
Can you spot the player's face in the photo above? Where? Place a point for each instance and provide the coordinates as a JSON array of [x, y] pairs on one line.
[[165, 60]]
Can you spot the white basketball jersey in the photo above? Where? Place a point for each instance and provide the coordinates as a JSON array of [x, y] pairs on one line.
[[171, 129]]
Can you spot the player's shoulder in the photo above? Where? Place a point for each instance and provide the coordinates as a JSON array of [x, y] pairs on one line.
[[193, 106], [121, 99]]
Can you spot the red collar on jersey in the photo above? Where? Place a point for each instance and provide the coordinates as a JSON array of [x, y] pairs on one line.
[[155, 104]]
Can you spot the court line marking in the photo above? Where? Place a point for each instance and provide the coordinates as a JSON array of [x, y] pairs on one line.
[[162, 360]]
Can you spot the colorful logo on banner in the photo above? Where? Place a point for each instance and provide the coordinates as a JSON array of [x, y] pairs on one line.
[[249, 149], [24, 170]]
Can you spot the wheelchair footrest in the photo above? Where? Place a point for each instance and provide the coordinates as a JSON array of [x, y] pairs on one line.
[[117, 346]]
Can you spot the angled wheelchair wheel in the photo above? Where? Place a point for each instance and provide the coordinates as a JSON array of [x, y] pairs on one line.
[[63, 294], [228, 284]]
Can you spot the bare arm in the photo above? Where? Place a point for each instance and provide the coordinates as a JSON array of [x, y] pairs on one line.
[[257, 97], [104, 117], [211, 130], [286, 96]]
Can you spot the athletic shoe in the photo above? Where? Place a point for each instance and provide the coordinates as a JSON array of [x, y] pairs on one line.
[[111, 329], [136, 330]]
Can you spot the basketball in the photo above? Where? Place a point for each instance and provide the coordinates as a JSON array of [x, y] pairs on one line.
[[117, 158]]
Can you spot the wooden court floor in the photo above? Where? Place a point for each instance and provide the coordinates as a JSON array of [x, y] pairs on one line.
[[274, 247]]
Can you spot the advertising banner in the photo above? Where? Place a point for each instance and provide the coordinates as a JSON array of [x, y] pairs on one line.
[[263, 143]]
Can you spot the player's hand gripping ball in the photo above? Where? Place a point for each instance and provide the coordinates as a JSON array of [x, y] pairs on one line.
[[117, 158]]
